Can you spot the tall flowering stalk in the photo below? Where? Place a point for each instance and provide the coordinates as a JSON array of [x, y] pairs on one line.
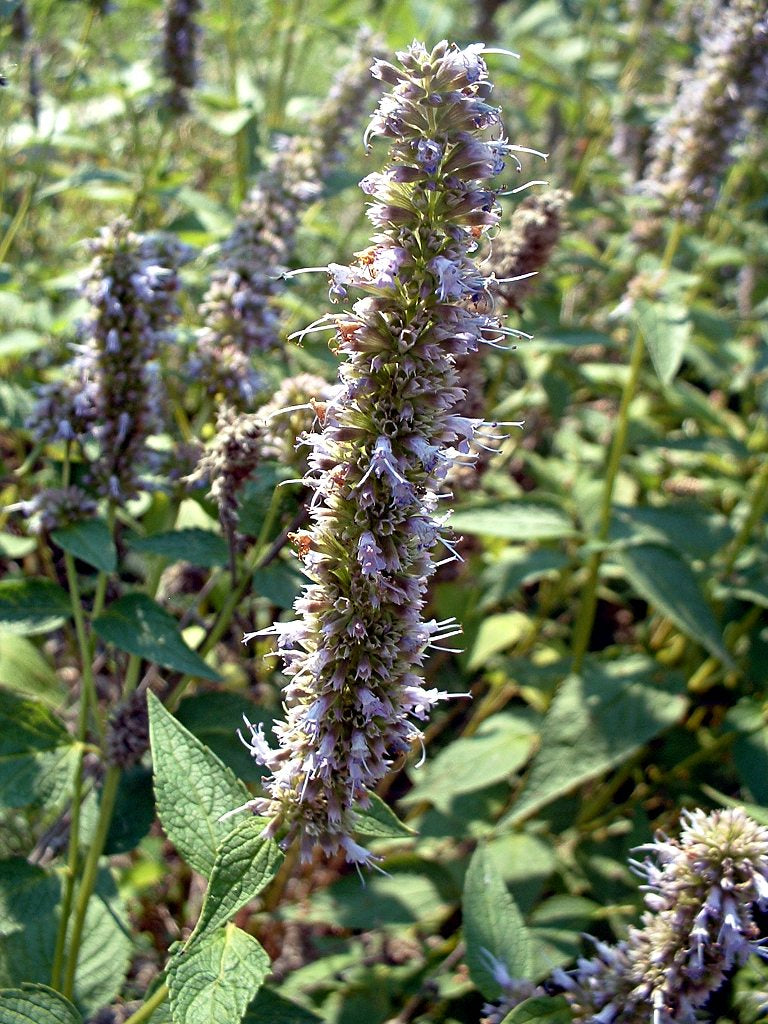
[[692, 144], [388, 438], [111, 394], [181, 37]]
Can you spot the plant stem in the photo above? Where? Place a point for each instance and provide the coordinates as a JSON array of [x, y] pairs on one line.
[[145, 1011], [90, 871]]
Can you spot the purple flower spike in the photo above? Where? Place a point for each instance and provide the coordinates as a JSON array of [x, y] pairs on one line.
[[385, 443]]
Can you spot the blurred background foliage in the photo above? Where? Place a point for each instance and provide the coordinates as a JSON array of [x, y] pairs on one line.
[[587, 729]]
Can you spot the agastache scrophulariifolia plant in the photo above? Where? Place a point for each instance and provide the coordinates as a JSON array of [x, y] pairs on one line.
[[239, 311], [356, 652], [700, 890], [693, 143], [111, 393], [181, 37]]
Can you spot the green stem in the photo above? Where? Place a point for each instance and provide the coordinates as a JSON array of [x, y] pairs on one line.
[[758, 508], [145, 1011], [90, 871]]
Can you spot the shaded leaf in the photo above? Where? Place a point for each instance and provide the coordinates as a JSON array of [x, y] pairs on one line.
[[540, 1010], [137, 624], [596, 721], [214, 717], [269, 1006], [192, 789], [24, 670], [134, 811], [214, 980], [34, 605], [514, 520], [494, 930], [38, 756], [194, 545], [36, 1004], [279, 583], [666, 328], [379, 821], [666, 581], [90, 541]]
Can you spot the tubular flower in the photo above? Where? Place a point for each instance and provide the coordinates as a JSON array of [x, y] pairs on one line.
[[700, 890], [290, 416], [388, 438], [691, 146], [112, 393], [238, 309]]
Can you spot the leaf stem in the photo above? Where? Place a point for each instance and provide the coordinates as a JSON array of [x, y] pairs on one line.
[[146, 1010], [90, 871]]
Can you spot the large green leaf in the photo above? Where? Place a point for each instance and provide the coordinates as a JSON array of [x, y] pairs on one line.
[[271, 1008], [193, 789], [90, 541], [214, 980], [24, 670], [36, 1004], [29, 915], [540, 1010], [597, 720], [666, 328], [378, 821], [494, 930], [514, 520], [34, 605], [213, 717], [666, 581], [194, 545], [38, 756], [688, 528], [501, 745], [137, 624], [245, 864]]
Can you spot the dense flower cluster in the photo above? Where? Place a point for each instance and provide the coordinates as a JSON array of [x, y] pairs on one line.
[[110, 395], [56, 507], [239, 309], [181, 35], [388, 438], [700, 892], [691, 145]]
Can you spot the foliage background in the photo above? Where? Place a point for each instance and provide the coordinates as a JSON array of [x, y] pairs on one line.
[[565, 759]]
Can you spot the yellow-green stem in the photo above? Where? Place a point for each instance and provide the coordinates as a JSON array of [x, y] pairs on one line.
[[90, 872], [146, 1010]]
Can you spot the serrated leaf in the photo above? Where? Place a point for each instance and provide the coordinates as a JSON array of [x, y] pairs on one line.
[[514, 520], [501, 745], [245, 864], [29, 916], [193, 788], [666, 328], [540, 1010], [666, 581], [378, 821], [90, 541], [36, 1004], [137, 624], [596, 721], [38, 756], [24, 670], [494, 930], [194, 545], [215, 979], [34, 605]]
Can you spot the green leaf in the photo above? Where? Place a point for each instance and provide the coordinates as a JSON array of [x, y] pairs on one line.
[[91, 542], [12, 546], [540, 1010], [279, 583], [194, 545], [494, 930], [269, 1006], [750, 748], [133, 813], [36, 1004], [245, 864], [24, 670], [596, 721], [215, 979], [514, 520], [666, 328], [524, 863], [33, 605], [214, 717], [497, 633], [378, 821], [666, 581], [29, 916], [688, 528], [516, 567], [192, 789], [501, 745], [38, 757], [556, 928], [137, 624]]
